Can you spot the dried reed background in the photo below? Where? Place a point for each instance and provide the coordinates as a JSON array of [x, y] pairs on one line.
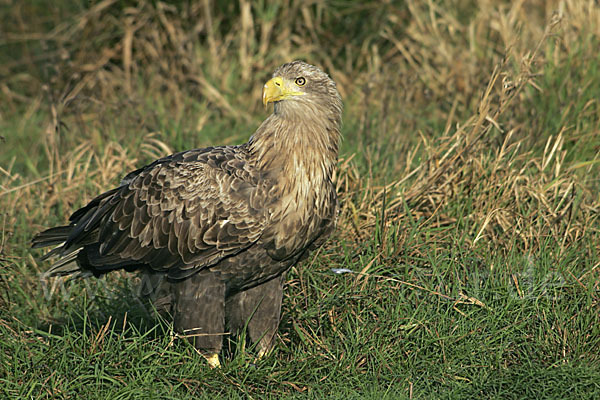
[[470, 156]]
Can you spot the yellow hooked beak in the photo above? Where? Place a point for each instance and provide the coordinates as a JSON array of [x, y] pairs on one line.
[[278, 89]]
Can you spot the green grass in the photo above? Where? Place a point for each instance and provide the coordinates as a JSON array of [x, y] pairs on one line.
[[473, 243]]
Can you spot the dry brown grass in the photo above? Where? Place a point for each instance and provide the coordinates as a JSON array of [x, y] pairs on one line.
[[519, 197]]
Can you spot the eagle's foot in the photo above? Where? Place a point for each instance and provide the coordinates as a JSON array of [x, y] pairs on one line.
[[262, 353], [213, 360]]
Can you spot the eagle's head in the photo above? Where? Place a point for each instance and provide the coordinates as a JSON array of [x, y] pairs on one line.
[[298, 88]]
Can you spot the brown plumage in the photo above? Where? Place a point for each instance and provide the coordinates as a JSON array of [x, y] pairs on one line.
[[214, 230]]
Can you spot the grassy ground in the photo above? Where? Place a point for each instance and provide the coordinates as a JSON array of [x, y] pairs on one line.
[[468, 178]]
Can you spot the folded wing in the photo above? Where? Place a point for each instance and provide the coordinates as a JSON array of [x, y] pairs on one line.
[[179, 214]]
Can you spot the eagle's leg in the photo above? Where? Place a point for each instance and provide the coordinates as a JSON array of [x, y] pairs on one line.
[[258, 310], [199, 313], [156, 288]]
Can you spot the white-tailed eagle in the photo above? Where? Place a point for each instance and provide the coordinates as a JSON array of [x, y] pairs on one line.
[[214, 230]]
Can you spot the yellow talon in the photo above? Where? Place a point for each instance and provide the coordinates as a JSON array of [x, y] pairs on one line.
[[213, 361], [262, 353]]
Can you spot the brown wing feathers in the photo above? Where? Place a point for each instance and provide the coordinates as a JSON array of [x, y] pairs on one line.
[[179, 214]]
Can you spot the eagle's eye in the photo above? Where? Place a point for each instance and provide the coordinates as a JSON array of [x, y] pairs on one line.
[[300, 81]]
